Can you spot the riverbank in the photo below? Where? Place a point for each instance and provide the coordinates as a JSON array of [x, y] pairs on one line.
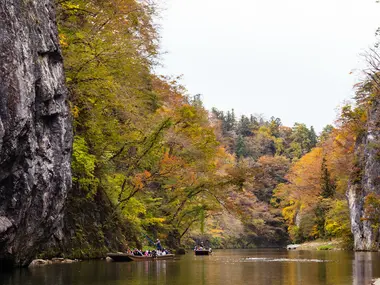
[[335, 244]]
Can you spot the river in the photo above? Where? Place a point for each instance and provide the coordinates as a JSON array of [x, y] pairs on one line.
[[224, 267]]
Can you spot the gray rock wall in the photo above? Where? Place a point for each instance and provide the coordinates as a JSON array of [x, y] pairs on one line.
[[366, 180], [35, 129]]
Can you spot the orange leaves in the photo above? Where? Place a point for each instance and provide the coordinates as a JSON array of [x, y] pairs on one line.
[[167, 159], [177, 172], [170, 92], [339, 152], [171, 165], [169, 162], [140, 179], [305, 177], [147, 174]]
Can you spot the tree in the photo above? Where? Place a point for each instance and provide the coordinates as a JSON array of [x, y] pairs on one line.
[[303, 140], [244, 127], [230, 121], [240, 147], [326, 132], [274, 125], [328, 186], [313, 137]]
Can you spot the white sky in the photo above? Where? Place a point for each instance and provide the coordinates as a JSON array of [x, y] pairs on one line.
[[285, 58]]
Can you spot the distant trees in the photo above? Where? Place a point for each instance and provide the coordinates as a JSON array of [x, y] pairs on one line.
[[269, 148], [254, 137], [302, 140]]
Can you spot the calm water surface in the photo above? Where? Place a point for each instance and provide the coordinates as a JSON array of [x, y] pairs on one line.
[[226, 267]]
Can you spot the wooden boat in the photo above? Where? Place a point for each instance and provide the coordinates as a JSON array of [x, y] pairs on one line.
[[119, 256], [202, 252], [151, 258]]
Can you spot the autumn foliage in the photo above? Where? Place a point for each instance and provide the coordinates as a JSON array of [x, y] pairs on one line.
[[164, 166]]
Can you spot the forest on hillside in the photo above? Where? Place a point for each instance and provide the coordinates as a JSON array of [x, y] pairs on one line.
[[150, 161]]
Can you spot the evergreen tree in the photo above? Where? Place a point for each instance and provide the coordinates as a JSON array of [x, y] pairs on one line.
[[230, 121], [313, 137], [240, 147], [327, 186], [244, 127], [320, 218]]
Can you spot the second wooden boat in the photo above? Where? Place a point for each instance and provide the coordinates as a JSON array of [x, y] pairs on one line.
[[202, 252]]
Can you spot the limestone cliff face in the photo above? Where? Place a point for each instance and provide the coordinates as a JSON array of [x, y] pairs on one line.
[[35, 129], [365, 181]]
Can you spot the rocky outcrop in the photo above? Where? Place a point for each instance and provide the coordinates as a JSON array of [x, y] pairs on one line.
[[35, 129], [41, 262], [365, 180], [91, 228]]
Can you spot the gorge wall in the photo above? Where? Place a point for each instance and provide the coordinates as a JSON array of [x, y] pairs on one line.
[[365, 181], [35, 129]]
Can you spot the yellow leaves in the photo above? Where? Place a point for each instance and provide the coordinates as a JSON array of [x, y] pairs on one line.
[[290, 212], [305, 177], [338, 219], [133, 209], [63, 40], [163, 110], [216, 231], [69, 6], [188, 111], [314, 232], [154, 221], [223, 161], [74, 111]]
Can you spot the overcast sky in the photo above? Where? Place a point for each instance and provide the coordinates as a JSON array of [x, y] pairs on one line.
[[285, 58]]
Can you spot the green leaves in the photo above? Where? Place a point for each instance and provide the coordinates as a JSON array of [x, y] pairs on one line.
[[83, 166]]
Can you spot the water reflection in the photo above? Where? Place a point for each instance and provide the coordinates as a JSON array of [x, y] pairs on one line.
[[363, 268], [275, 267]]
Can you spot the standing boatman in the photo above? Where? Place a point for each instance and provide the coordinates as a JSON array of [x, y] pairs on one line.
[[158, 245]]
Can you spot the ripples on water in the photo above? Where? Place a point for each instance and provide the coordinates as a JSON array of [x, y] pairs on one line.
[[263, 259]]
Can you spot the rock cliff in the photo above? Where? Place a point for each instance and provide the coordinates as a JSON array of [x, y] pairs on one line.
[[35, 129], [366, 180]]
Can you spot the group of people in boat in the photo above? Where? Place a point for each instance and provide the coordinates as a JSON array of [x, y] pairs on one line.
[[201, 247], [158, 252], [139, 252]]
